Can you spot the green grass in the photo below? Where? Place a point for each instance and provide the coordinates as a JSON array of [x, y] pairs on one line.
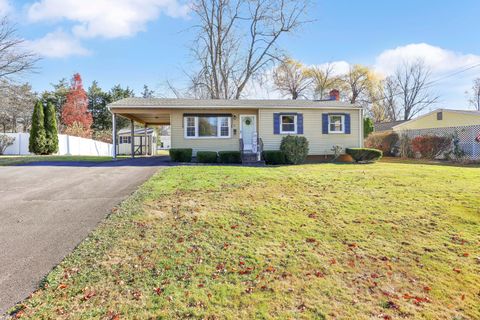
[[379, 241], [15, 160]]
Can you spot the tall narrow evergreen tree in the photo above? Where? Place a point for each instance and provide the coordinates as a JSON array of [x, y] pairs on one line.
[[51, 131], [37, 133]]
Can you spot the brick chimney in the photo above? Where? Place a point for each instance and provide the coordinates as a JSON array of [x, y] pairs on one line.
[[335, 95]]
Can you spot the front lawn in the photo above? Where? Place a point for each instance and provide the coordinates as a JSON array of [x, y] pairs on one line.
[[380, 241], [15, 160]]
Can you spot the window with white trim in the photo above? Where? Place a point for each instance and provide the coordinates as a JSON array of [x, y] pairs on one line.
[[336, 123], [207, 127], [125, 139], [190, 126], [288, 123]]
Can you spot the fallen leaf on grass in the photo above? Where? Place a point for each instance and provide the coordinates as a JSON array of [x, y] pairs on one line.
[[302, 307], [87, 294], [270, 269], [457, 270], [62, 286], [249, 290], [137, 294]]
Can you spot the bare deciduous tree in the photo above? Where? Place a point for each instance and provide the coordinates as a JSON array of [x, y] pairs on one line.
[[324, 80], [384, 105], [475, 98], [14, 59], [413, 84], [16, 106], [237, 39], [360, 81], [291, 78]]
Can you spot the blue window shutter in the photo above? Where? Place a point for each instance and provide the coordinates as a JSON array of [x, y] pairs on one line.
[[276, 123], [300, 123], [325, 123], [347, 123]]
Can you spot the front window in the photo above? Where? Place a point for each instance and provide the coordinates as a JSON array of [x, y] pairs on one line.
[[207, 127], [288, 124], [336, 124], [190, 126], [224, 126]]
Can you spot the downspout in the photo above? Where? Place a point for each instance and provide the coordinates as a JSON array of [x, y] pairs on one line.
[[360, 142]]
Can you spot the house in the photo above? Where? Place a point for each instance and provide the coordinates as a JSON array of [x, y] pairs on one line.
[[441, 118], [249, 126], [463, 125], [144, 144]]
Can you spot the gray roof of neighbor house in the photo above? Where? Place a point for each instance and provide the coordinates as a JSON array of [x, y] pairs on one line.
[[387, 126], [217, 103]]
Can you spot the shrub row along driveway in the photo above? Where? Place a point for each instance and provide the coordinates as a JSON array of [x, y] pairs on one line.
[[46, 209]]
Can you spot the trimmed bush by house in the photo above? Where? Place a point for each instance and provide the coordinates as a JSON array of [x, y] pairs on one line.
[[364, 154], [274, 157], [181, 155], [206, 157], [384, 141], [295, 149], [431, 147], [230, 157]]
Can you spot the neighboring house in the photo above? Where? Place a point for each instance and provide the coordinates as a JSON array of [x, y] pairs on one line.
[[464, 125], [143, 144], [226, 125], [386, 126], [163, 143]]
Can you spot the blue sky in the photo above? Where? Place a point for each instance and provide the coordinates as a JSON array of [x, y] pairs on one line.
[[136, 42]]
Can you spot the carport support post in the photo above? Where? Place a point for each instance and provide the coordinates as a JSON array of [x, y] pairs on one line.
[[132, 134], [146, 142], [114, 136]]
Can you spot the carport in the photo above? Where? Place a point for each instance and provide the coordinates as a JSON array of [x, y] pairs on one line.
[[145, 115]]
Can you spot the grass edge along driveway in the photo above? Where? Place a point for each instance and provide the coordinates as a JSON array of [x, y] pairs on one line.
[[16, 160], [381, 241]]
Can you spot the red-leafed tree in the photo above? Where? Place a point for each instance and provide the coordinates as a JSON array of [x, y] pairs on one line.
[[75, 114]]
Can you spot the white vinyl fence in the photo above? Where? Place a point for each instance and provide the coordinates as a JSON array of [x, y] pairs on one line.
[[67, 145]]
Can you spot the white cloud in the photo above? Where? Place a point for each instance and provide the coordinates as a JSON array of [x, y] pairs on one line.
[[449, 69], [438, 59], [57, 44], [5, 7], [105, 18], [338, 67]]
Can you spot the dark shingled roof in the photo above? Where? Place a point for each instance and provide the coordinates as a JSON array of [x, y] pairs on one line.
[[198, 103], [386, 126]]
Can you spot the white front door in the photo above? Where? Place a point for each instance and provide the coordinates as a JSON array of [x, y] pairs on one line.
[[248, 130]]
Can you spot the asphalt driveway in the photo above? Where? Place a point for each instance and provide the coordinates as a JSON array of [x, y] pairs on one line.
[[47, 209]]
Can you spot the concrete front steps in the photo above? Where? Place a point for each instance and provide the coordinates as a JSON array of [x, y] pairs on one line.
[[251, 159]]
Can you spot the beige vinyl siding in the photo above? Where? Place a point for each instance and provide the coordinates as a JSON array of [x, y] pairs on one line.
[[207, 144], [320, 144], [449, 119]]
